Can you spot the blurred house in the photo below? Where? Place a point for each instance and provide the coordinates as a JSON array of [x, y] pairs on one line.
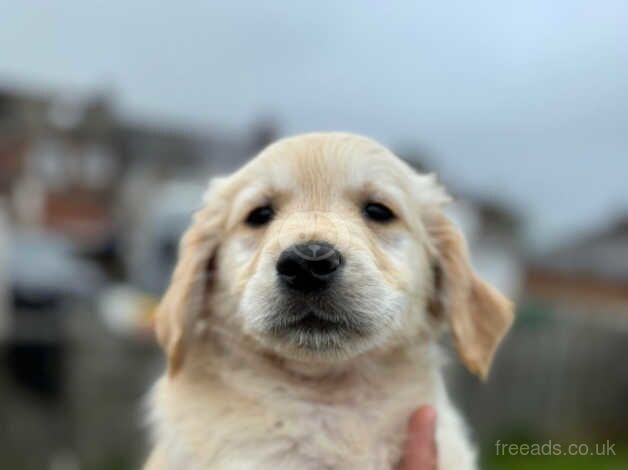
[[69, 164], [591, 271], [114, 189], [61, 162]]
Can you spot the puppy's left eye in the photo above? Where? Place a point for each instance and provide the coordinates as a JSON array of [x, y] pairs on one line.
[[260, 216], [378, 212]]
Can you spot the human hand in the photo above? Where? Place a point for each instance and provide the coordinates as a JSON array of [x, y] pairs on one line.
[[420, 450]]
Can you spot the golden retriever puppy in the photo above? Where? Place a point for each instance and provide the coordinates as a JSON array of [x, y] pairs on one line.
[[301, 321]]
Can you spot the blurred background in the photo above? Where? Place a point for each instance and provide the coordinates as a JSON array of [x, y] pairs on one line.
[[114, 115]]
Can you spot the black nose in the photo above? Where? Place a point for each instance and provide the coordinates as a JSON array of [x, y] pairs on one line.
[[310, 266]]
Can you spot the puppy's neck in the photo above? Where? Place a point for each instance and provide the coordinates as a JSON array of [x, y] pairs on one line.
[[310, 371], [379, 372]]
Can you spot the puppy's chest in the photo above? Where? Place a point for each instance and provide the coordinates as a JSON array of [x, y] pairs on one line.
[[354, 434], [363, 431], [306, 435]]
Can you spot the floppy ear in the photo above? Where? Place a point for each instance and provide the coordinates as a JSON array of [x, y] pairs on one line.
[[478, 315], [186, 296]]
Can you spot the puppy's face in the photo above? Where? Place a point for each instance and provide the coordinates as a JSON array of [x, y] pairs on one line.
[[324, 255], [326, 246]]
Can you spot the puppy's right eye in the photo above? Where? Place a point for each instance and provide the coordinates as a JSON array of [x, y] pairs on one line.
[[260, 216]]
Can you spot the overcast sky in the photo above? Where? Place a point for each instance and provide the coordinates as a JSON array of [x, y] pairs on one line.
[[524, 100]]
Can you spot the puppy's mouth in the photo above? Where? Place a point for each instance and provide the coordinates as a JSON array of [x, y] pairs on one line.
[[316, 330], [314, 323]]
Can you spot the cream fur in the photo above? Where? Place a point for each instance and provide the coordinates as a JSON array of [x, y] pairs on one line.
[[236, 397]]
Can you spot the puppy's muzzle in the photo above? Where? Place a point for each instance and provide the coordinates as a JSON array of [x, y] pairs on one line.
[[309, 267]]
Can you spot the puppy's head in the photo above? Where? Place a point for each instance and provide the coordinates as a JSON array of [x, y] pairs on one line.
[[324, 247]]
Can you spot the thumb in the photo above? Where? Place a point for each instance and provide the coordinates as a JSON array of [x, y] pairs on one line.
[[420, 449]]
